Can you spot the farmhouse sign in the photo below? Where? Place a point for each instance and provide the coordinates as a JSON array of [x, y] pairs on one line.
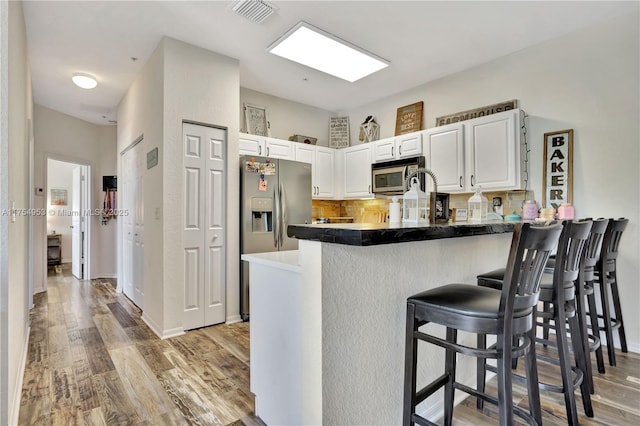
[[477, 112], [557, 176]]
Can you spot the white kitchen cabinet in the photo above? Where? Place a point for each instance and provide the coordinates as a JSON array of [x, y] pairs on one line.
[[357, 172], [444, 156], [278, 148], [384, 150], [262, 146], [323, 165], [403, 146], [481, 152], [251, 145], [324, 173], [492, 152], [409, 145]]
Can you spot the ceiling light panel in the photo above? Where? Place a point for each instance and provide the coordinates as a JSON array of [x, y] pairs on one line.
[[325, 52]]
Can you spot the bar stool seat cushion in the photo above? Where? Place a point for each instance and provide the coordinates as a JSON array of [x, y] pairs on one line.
[[464, 307]]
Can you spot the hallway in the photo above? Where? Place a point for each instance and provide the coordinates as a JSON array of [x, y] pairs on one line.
[[92, 360]]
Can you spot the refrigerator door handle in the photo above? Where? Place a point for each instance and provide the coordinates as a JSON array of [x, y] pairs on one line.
[[276, 222], [283, 214]]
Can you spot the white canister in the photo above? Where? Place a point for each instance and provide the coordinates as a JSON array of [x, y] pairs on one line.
[[394, 211]]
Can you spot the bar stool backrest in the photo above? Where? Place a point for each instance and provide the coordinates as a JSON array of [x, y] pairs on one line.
[[612, 239], [570, 249], [525, 266], [594, 245]]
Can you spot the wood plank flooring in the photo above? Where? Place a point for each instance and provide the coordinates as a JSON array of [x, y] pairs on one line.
[[92, 361]]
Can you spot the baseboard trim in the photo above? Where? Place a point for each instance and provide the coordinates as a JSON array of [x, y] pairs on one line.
[[110, 276], [233, 319], [163, 334], [17, 392]]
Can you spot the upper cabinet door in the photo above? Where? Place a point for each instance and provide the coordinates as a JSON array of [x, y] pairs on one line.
[[324, 173], [384, 150], [305, 153], [409, 145], [277, 148], [493, 148], [444, 156], [357, 171], [251, 145]]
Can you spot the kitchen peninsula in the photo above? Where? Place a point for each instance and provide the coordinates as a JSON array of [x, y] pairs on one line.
[[328, 320]]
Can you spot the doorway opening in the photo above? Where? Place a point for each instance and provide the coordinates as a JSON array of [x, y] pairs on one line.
[[68, 227]]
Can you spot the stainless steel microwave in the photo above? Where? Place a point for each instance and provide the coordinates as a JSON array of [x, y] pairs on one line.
[[389, 177]]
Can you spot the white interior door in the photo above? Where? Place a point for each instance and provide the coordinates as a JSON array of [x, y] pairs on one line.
[[76, 224], [133, 224], [204, 229]]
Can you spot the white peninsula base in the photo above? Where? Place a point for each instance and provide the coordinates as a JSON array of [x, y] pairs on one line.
[[327, 331]]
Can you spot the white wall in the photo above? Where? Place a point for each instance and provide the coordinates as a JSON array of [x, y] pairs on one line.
[[60, 176], [289, 118], [65, 138], [17, 98], [180, 82], [586, 81]]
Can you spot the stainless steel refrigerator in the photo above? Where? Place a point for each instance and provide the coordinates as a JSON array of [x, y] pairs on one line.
[[274, 194]]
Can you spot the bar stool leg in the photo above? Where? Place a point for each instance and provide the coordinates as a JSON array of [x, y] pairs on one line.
[[450, 368], [531, 369], [581, 363], [410, 360], [481, 373], [565, 365], [606, 315], [595, 328], [618, 311], [581, 314], [505, 380]]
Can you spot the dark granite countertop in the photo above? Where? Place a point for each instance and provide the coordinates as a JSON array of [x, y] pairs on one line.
[[369, 234]]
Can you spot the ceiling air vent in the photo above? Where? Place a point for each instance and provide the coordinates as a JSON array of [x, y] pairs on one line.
[[254, 10]]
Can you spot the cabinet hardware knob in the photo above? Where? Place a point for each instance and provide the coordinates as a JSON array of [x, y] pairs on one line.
[[460, 181]]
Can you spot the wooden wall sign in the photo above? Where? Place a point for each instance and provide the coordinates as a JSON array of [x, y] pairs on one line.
[[477, 112], [557, 174], [339, 132], [409, 118]]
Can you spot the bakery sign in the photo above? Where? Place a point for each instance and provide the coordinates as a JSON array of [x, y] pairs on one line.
[[477, 112], [557, 179]]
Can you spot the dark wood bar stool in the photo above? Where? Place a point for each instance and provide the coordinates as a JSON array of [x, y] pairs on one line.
[[558, 292], [607, 279], [505, 313], [585, 296]]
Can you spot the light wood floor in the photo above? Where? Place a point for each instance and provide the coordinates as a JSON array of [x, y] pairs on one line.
[[92, 360]]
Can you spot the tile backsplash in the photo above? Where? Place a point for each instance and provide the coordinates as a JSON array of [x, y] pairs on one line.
[[377, 210]]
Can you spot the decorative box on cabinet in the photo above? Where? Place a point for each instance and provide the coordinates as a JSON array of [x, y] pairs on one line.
[[54, 250]]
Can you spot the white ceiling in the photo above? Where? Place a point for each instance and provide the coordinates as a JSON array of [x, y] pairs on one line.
[[423, 40]]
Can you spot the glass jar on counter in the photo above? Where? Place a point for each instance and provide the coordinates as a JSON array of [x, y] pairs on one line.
[[530, 210], [566, 212]]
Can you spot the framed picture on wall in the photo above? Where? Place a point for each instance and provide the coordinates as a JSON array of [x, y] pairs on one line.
[[58, 197], [257, 120]]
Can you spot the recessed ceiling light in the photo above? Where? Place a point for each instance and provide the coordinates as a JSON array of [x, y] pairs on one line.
[[85, 81], [325, 52]]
